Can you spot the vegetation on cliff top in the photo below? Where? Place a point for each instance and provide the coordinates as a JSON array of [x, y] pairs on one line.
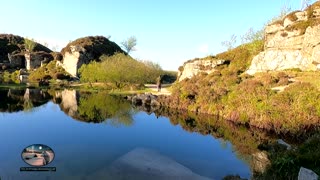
[[301, 26], [95, 45]]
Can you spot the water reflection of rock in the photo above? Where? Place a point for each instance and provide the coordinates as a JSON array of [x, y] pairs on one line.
[[13, 100], [95, 107], [68, 101]]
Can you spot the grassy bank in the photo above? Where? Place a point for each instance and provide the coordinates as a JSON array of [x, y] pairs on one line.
[[252, 100]]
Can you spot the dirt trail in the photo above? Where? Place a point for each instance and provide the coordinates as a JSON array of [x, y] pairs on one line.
[[164, 89]]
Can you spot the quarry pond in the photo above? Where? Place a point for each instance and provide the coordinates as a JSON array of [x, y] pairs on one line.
[[100, 136]]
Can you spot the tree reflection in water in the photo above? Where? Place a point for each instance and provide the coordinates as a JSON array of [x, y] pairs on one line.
[[99, 107], [83, 106]]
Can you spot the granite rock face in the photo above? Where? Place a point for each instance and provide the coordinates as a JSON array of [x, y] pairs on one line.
[[196, 66], [86, 49], [36, 59], [293, 42]]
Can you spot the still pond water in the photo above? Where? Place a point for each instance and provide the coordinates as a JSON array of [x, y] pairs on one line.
[[89, 132]]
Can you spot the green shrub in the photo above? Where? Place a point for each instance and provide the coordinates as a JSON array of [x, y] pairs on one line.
[[48, 71], [119, 69]]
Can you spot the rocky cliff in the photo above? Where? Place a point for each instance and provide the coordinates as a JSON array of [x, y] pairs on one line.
[[293, 42], [198, 65], [14, 55], [86, 49]]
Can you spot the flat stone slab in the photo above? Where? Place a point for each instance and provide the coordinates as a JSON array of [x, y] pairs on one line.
[[142, 163]]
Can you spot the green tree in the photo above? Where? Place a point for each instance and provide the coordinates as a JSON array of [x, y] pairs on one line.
[[129, 44], [29, 44], [91, 72], [98, 107], [152, 71], [119, 69], [122, 70]]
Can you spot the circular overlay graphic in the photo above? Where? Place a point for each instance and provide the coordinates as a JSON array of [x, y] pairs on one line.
[[37, 155]]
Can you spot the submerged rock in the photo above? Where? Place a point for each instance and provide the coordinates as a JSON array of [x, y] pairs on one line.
[[142, 163]]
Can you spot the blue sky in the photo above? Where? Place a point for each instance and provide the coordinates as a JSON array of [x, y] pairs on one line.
[[169, 32]]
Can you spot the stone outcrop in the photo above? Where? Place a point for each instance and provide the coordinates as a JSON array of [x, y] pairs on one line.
[[16, 59], [196, 66], [84, 50], [14, 55], [293, 42], [36, 59]]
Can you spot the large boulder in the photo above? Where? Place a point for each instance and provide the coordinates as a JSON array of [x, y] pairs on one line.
[[292, 42], [198, 65], [86, 49]]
